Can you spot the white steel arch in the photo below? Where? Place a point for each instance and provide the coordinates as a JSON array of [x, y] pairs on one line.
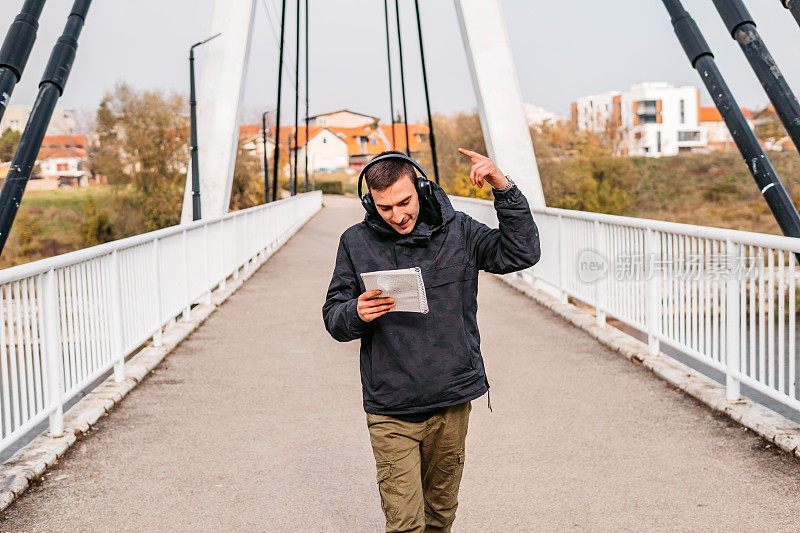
[[222, 76]]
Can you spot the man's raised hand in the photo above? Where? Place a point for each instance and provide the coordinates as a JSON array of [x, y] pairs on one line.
[[369, 308], [484, 169]]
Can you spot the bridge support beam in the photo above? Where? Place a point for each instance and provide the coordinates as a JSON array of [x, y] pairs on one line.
[[494, 79], [219, 95]]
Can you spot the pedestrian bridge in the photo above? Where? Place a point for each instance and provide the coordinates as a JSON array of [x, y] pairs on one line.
[[254, 422]]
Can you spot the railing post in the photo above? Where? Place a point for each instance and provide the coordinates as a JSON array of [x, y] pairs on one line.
[[157, 310], [562, 294], [116, 318], [51, 330], [236, 260], [187, 310], [207, 296], [224, 282], [652, 273], [732, 316], [602, 286]]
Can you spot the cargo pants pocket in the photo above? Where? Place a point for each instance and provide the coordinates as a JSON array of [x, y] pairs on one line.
[[389, 503], [457, 472]]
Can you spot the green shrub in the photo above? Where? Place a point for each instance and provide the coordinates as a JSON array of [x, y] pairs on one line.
[[330, 187]]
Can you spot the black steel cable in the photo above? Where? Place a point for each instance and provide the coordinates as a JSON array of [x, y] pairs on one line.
[[274, 34], [742, 28], [296, 98], [389, 63], [17, 48], [431, 136], [794, 7], [276, 157], [50, 90], [307, 136], [266, 164], [402, 74], [701, 58]]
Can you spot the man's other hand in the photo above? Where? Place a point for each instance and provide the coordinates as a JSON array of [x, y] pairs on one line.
[[484, 169], [369, 307]]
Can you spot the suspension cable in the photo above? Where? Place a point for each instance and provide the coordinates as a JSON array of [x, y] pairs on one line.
[[402, 74], [296, 98], [431, 137], [307, 135], [278, 108], [268, 14], [389, 62]]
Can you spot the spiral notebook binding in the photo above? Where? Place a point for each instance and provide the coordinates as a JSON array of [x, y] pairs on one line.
[[423, 298]]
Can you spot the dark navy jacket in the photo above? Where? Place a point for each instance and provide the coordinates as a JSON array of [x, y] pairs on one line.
[[413, 362]]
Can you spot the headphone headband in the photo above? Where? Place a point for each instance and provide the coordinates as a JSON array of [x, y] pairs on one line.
[[378, 159]]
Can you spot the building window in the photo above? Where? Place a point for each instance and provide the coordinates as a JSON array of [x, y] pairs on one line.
[[647, 111], [683, 111], [324, 141], [62, 167], [686, 136], [658, 142]]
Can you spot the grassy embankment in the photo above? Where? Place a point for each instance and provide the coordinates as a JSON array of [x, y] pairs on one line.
[[50, 223], [710, 190]]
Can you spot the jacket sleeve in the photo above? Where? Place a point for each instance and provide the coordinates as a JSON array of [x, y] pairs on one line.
[[339, 310], [515, 245]]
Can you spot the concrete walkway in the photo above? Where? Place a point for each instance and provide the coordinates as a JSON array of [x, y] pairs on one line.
[[255, 424]]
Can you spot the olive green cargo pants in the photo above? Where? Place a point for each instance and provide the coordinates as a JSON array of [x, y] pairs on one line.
[[419, 468]]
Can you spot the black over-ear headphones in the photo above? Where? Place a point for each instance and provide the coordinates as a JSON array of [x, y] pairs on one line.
[[423, 186]]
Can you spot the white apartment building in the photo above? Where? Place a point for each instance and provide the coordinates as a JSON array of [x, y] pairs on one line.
[[654, 118], [63, 121]]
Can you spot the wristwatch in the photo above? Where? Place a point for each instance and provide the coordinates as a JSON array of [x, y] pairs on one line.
[[505, 187]]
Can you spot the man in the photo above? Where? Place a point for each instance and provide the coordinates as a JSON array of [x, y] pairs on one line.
[[419, 372]]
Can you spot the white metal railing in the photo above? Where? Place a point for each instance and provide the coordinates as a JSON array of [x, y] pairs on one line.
[[727, 298], [68, 319]]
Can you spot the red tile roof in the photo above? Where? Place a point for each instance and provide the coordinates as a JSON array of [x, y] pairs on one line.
[[63, 146], [414, 131], [248, 131], [382, 136], [711, 114]]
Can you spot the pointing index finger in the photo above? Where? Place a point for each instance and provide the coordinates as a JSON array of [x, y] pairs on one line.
[[470, 153]]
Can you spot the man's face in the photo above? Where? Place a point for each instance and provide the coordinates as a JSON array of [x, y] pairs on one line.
[[398, 205]]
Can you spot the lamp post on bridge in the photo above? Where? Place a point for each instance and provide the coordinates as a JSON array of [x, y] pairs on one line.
[[193, 133]]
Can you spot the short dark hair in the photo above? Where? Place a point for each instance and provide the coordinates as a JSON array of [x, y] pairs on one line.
[[384, 174]]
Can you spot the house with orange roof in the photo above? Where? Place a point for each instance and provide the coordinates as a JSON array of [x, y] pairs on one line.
[[343, 118], [62, 162], [333, 148], [719, 138], [251, 138]]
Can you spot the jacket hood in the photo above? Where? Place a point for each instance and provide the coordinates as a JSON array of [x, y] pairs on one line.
[[433, 217]]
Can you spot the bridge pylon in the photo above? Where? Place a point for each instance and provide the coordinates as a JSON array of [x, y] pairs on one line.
[[219, 97]]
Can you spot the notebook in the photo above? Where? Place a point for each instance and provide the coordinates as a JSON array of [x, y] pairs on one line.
[[405, 285]]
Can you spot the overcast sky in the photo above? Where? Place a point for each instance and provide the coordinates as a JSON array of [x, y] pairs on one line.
[[562, 50]]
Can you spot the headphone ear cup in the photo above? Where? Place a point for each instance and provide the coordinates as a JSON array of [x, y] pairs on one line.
[[424, 189], [369, 205]]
